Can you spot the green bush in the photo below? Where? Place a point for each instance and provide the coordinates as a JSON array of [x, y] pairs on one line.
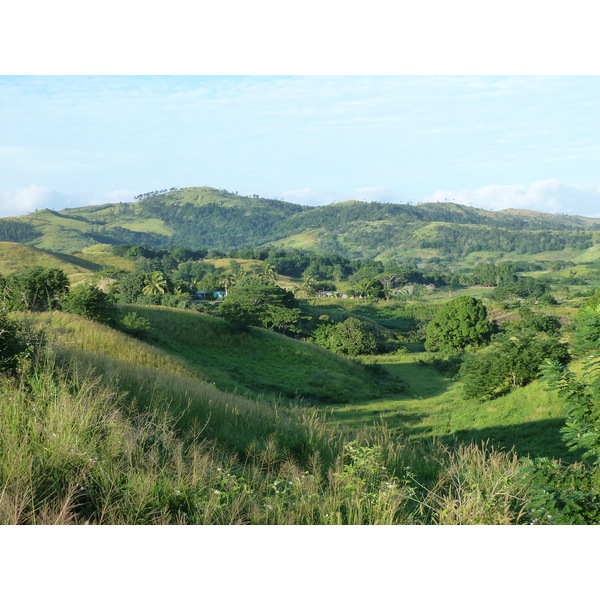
[[86, 300], [134, 325], [14, 344], [508, 363], [36, 289], [350, 337]]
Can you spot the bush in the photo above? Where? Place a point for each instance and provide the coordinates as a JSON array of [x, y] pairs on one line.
[[351, 337], [508, 363], [86, 300], [134, 324], [13, 343], [35, 289]]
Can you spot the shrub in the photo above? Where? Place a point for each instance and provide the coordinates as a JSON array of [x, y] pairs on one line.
[[351, 337], [512, 362], [86, 300], [36, 289], [135, 324], [13, 343]]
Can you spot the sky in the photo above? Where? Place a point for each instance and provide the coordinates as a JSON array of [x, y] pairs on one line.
[[493, 142], [352, 105]]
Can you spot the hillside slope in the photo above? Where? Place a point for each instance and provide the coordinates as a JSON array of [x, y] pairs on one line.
[[15, 257], [253, 363], [206, 217]]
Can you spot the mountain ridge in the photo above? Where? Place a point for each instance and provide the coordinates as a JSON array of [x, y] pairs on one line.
[[212, 218]]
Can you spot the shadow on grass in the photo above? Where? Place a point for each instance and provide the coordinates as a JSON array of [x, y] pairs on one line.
[[536, 438], [74, 260], [366, 416], [423, 382]]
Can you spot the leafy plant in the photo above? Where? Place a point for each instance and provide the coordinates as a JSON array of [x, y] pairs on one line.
[[88, 301]]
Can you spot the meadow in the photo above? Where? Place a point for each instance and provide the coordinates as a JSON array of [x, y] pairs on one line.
[[110, 430], [198, 422]]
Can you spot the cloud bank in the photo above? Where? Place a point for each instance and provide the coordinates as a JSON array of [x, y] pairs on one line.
[[544, 196], [25, 200]]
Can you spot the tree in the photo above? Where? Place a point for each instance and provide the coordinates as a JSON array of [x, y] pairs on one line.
[[255, 301], [130, 287], [155, 283], [351, 337], [459, 323], [581, 395], [269, 272], [88, 301], [36, 288], [508, 363]]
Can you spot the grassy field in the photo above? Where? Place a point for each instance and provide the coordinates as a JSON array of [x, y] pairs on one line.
[[16, 257], [527, 420], [257, 361]]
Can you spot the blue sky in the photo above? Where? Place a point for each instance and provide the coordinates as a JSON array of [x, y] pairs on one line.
[[489, 141]]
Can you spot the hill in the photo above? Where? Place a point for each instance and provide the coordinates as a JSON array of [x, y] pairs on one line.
[[254, 363], [15, 257], [204, 217]]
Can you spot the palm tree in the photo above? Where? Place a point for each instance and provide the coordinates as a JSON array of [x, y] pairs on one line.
[[228, 280], [155, 283], [269, 272], [309, 285]]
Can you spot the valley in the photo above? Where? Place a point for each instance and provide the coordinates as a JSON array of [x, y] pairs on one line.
[[286, 364]]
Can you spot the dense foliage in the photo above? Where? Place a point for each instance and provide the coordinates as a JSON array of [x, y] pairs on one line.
[[36, 288], [459, 323], [510, 362], [254, 300], [86, 300]]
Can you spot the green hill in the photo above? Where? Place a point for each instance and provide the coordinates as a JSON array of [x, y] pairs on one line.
[[254, 363], [210, 218], [15, 257]]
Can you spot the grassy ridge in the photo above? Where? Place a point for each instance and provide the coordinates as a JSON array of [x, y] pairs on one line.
[[15, 257], [257, 361]]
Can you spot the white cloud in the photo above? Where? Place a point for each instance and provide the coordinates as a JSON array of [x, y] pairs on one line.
[[34, 197], [310, 197], [26, 200], [544, 196]]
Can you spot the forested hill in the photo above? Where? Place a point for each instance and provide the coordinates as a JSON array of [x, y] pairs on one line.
[[210, 218]]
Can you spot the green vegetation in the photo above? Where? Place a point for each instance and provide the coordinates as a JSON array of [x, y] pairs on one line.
[[459, 323], [204, 217], [422, 364]]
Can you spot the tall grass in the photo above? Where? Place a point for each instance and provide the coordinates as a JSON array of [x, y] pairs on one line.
[[79, 447], [74, 451]]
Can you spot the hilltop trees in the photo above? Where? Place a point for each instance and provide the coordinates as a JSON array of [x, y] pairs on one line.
[[459, 323]]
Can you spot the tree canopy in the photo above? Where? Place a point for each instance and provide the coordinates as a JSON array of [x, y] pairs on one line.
[[459, 323]]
